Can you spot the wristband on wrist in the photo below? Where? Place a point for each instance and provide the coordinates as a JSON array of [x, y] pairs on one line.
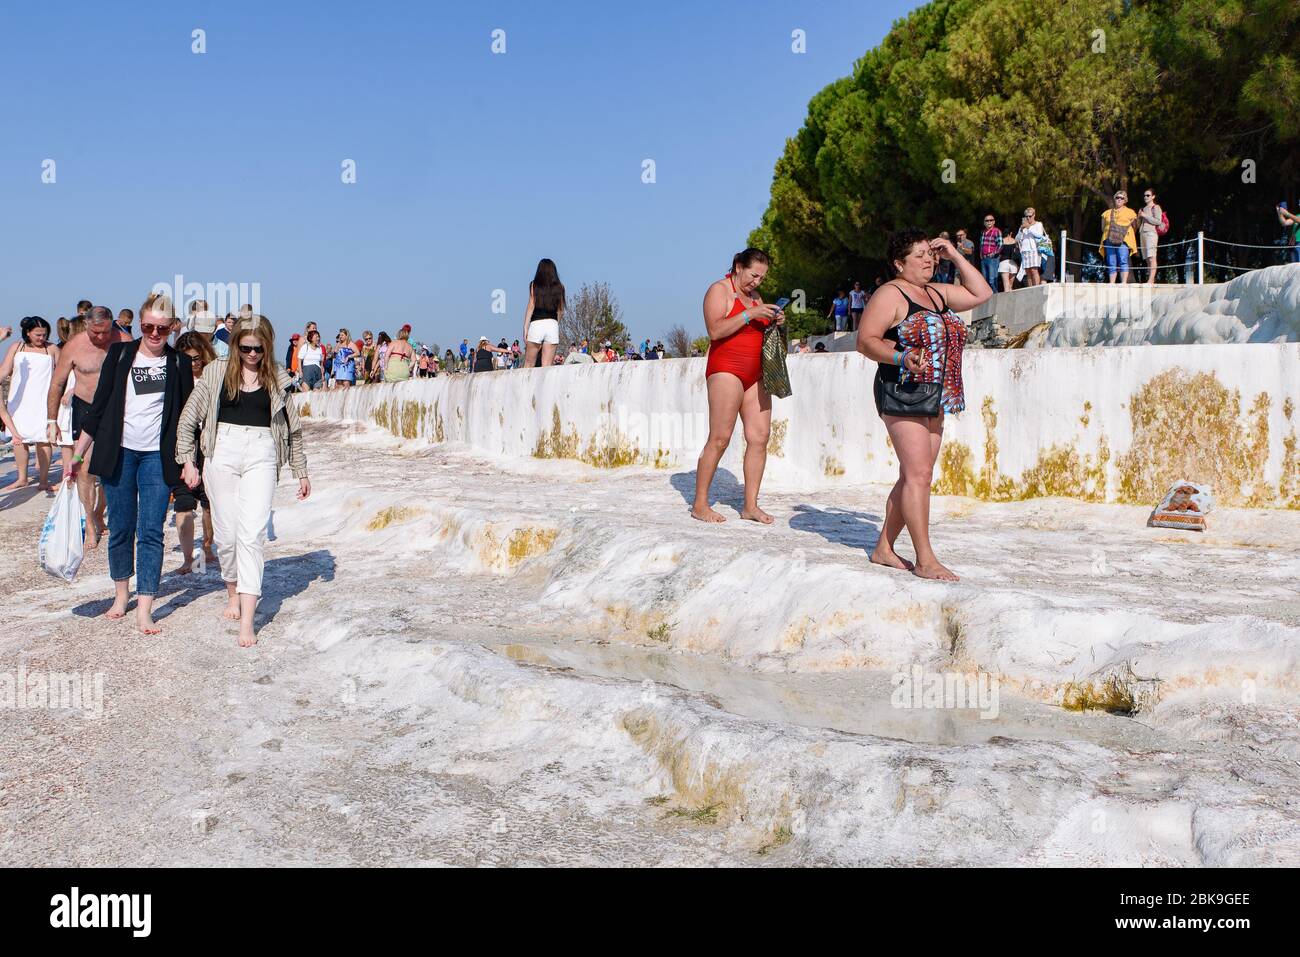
[[77, 459], [899, 356]]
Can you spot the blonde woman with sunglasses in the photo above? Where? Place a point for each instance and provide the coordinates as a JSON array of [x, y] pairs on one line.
[[132, 422], [247, 430]]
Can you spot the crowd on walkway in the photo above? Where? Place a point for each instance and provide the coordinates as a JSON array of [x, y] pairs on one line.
[[186, 416]]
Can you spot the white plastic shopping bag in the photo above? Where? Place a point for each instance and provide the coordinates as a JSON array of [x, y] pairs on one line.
[[63, 533]]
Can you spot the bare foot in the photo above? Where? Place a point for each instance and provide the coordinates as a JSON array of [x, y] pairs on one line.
[[936, 571], [209, 556], [144, 621], [707, 514], [46, 487], [95, 531], [16, 484], [232, 612], [756, 514], [884, 555], [183, 569], [246, 637], [117, 611]]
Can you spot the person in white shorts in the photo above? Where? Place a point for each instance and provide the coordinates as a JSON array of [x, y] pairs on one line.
[[542, 317]]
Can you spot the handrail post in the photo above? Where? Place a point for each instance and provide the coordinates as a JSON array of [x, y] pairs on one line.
[[1064, 271], [1200, 257]]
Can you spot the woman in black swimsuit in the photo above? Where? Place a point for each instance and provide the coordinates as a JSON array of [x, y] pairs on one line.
[[913, 332], [483, 355]]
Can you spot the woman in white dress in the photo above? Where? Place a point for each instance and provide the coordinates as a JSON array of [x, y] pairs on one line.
[[1031, 260], [29, 366]]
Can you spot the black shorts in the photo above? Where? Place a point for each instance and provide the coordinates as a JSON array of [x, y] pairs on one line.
[[185, 499], [79, 411]]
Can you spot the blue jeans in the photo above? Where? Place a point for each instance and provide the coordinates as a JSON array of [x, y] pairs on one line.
[[989, 268], [137, 500], [1116, 258]]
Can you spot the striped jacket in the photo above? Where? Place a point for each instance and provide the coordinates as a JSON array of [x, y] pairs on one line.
[[200, 416]]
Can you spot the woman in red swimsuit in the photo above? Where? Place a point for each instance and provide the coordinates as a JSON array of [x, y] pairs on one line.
[[735, 317]]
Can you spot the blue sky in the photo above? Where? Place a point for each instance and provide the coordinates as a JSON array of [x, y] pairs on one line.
[[225, 167]]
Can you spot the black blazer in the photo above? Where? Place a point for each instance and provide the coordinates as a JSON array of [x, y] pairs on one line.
[[108, 409]]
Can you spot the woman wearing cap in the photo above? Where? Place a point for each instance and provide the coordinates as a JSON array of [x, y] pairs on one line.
[[543, 315], [397, 368], [483, 355], [246, 432], [736, 317], [31, 364], [132, 421]]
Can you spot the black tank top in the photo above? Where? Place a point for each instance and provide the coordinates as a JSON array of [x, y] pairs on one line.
[[887, 371], [482, 360], [252, 409]]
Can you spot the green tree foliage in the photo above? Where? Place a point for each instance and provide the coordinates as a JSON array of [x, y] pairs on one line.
[[970, 106], [594, 314]]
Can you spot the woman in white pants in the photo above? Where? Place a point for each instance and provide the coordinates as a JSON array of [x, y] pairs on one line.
[[543, 315], [247, 430]]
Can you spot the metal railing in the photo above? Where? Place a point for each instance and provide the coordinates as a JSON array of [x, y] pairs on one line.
[[1193, 262]]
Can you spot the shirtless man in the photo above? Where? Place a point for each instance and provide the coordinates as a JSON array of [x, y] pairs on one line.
[[84, 355]]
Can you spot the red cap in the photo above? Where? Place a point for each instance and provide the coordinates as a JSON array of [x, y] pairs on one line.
[[406, 328], [295, 336]]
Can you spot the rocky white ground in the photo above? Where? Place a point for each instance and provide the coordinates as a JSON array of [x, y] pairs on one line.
[[466, 661]]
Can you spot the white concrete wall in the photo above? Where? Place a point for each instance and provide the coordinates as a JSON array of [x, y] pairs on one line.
[[1051, 421]]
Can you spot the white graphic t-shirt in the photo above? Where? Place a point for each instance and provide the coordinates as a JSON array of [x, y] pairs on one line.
[[146, 388]]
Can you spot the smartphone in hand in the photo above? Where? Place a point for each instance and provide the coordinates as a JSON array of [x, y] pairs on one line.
[[782, 303]]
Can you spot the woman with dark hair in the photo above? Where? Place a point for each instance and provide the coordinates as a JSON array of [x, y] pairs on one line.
[[186, 500], [143, 386], [542, 317], [31, 365], [912, 331], [735, 317], [1009, 260], [382, 344]]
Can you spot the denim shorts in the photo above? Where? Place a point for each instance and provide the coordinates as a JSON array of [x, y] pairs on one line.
[[313, 376], [1116, 257]]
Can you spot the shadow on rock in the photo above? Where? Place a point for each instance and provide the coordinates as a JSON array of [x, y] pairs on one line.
[[282, 578], [726, 489], [288, 577], [840, 526]]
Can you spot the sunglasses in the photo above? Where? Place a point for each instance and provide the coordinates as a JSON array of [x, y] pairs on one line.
[[249, 350], [149, 329]]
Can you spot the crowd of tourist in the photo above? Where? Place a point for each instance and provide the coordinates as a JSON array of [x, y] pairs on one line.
[[191, 414]]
